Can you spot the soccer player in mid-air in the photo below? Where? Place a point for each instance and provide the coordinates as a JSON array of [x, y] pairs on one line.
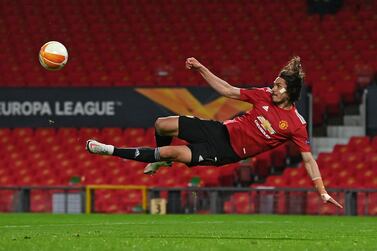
[[272, 121]]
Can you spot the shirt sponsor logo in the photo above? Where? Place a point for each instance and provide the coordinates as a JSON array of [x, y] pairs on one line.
[[283, 124], [261, 129], [266, 124]]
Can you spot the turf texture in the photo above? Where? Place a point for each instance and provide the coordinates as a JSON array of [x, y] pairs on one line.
[[28, 232]]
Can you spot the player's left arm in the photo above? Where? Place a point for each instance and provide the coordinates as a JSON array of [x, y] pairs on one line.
[[314, 173], [220, 85], [300, 138]]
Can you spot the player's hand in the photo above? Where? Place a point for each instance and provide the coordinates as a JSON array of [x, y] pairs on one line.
[[193, 64], [327, 198]]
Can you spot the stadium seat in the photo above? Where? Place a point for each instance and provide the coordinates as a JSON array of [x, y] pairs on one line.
[[7, 200], [278, 157], [108, 36], [243, 203], [358, 142], [209, 176], [40, 201], [293, 175], [263, 164], [167, 39], [277, 181]]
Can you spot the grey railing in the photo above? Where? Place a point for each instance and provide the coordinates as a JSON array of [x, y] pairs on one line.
[[22, 196], [265, 200], [285, 200]]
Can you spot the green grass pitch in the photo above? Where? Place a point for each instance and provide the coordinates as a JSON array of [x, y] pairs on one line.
[[28, 232]]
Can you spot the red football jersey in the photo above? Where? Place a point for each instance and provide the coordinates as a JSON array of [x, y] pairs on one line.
[[266, 125]]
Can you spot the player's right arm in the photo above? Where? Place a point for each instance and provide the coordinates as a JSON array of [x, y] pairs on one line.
[[221, 86]]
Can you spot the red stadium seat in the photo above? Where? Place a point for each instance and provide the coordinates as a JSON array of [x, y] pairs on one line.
[[109, 46], [40, 201], [243, 203], [263, 164], [278, 157], [22, 132], [293, 175], [165, 39], [358, 142], [108, 133], [209, 176], [313, 203], [65, 133], [7, 200], [277, 181], [5, 132], [341, 149], [374, 142]]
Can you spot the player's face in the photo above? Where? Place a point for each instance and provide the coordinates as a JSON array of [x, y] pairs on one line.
[[279, 91]]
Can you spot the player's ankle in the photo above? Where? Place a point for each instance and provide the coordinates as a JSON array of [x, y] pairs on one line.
[[110, 149]]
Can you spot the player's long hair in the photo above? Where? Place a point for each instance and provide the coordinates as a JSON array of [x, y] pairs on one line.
[[294, 75]]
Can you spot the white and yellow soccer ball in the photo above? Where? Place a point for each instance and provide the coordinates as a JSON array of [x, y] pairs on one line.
[[53, 56]]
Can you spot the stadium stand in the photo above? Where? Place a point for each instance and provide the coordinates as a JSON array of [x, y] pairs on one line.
[[52, 156], [340, 169], [144, 43], [338, 50], [43, 163]]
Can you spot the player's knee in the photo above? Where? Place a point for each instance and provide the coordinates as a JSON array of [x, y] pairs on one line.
[[176, 153], [169, 152], [159, 125], [165, 125]]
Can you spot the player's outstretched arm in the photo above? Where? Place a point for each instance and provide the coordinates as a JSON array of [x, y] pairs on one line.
[[314, 173], [215, 82]]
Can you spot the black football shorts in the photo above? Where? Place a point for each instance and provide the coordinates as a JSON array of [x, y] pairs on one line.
[[208, 141]]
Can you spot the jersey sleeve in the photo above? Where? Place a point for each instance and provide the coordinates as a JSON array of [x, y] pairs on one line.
[[255, 95], [300, 138]]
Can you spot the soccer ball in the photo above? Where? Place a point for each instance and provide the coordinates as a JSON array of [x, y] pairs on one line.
[[53, 56]]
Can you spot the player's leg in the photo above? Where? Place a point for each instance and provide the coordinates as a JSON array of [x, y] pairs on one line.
[[143, 154], [175, 153], [184, 127], [165, 129], [164, 153], [194, 130]]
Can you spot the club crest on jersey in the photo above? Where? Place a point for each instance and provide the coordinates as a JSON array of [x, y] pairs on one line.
[[283, 124]]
